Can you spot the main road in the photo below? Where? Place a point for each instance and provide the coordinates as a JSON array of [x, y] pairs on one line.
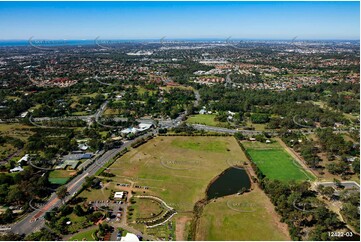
[[35, 220]]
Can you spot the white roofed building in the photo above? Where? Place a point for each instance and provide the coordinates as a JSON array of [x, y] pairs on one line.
[[129, 237], [24, 158], [16, 169], [119, 195]]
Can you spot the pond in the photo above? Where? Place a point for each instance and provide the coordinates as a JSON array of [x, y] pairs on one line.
[[231, 181]]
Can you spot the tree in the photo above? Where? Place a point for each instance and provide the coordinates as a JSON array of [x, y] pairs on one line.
[[221, 117], [328, 191], [16, 195], [60, 225], [78, 210], [356, 166], [10, 236], [259, 118], [48, 216], [337, 183], [338, 168], [62, 192], [239, 136], [42, 235], [8, 216]]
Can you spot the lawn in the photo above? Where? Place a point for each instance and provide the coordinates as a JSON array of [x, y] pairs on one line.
[[249, 216], [78, 223], [86, 235], [142, 90], [77, 97], [58, 181], [81, 113], [275, 162], [260, 127], [110, 111], [60, 176], [206, 119], [98, 194]]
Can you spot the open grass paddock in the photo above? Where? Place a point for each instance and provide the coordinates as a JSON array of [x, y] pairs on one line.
[[249, 216], [177, 169]]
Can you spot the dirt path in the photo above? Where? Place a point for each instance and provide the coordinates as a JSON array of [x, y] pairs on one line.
[[180, 228], [296, 156]]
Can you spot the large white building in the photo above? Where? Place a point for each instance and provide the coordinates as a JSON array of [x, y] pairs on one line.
[[129, 237], [141, 127], [119, 195]]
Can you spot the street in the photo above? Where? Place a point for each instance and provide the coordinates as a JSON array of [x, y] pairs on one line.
[[35, 220]]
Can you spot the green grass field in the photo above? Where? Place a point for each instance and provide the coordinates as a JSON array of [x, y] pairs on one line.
[[249, 216], [206, 119], [260, 127], [275, 162], [213, 146], [60, 177], [97, 194], [58, 181], [86, 235]]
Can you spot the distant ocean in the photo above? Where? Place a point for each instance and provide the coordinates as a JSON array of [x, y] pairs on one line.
[[44, 43], [49, 43]]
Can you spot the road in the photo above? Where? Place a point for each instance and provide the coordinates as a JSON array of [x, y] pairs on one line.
[[198, 98], [228, 81], [346, 184], [229, 131], [35, 220]]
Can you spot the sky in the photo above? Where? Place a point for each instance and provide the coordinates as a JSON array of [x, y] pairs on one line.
[[154, 20]]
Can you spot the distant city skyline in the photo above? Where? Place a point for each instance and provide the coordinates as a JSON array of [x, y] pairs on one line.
[[180, 20]]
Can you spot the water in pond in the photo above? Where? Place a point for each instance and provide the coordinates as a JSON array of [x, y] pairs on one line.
[[231, 181]]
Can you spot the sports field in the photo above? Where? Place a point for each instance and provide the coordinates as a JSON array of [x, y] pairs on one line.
[[249, 216], [275, 162]]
